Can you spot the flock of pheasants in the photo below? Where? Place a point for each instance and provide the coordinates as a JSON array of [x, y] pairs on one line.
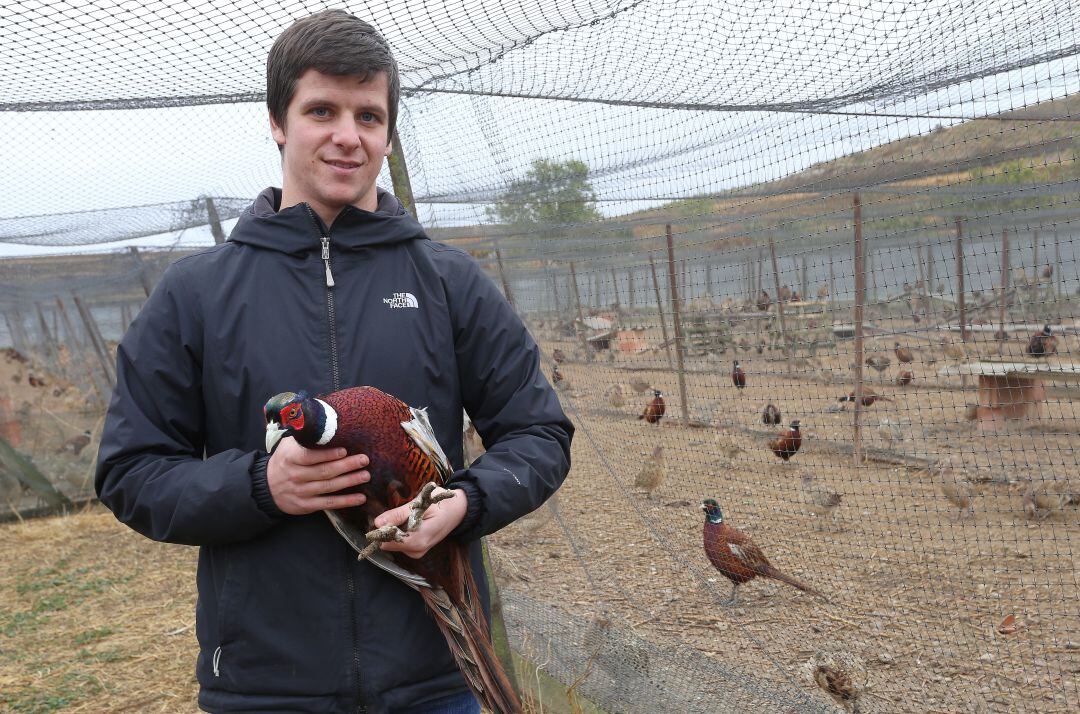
[[735, 555]]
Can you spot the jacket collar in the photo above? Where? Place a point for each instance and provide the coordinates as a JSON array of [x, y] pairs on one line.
[[297, 231]]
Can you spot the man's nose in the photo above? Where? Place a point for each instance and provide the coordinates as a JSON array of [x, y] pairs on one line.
[[346, 134]]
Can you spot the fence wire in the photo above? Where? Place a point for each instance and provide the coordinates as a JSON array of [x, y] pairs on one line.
[[862, 214]]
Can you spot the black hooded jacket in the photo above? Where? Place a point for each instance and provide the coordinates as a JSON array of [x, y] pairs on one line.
[[287, 619]]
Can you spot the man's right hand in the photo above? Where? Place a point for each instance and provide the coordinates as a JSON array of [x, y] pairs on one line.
[[300, 479]]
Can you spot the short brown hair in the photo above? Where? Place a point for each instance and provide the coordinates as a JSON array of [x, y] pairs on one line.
[[332, 42]]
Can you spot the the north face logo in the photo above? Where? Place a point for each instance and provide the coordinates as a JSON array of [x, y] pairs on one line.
[[402, 300]]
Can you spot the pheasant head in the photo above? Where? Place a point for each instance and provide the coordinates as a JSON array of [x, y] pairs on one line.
[[312, 422], [712, 511]]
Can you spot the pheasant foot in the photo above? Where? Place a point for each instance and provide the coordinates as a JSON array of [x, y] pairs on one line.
[[418, 506]]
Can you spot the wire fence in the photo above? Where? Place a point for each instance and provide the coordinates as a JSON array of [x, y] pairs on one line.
[[854, 216]]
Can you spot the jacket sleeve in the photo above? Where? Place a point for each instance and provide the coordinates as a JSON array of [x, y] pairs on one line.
[[151, 470], [512, 405]]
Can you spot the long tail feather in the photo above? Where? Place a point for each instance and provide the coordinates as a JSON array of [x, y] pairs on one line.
[[466, 631], [771, 572]]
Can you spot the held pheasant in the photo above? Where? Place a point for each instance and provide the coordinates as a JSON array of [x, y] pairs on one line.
[[405, 460], [736, 556], [738, 376], [788, 442], [654, 410]]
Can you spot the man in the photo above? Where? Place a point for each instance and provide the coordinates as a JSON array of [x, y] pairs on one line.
[[324, 284]]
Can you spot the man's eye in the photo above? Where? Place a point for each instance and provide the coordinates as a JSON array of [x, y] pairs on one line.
[[367, 117], [320, 112]]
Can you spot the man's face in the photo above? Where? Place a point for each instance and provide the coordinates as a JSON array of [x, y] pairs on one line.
[[335, 140]]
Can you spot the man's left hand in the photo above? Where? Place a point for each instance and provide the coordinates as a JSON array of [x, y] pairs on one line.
[[439, 520]]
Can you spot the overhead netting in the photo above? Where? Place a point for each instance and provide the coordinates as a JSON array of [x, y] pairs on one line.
[[870, 206]]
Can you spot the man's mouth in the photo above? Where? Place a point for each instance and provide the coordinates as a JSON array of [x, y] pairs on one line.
[[343, 165]]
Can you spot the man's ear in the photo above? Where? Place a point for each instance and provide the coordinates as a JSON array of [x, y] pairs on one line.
[[277, 131], [389, 147]]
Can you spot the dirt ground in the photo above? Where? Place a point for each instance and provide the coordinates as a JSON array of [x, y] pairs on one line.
[[915, 590]]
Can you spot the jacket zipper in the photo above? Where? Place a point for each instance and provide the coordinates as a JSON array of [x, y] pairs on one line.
[[335, 384], [335, 375]]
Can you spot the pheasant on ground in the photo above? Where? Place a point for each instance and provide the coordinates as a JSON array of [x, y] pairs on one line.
[[903, 354], [905, 377], [75, 444], [869, 396], [558, 356], [406, 463], [653, 470], [738, 376], [770, 415], [819, 500], [1042, 344], [737, 557], [878, 363], [654, 410], [1040, 502], [841, 675], [615, 397], [957, 490], [788, 442]]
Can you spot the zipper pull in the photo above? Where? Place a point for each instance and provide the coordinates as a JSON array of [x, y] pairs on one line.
[[326, 260]]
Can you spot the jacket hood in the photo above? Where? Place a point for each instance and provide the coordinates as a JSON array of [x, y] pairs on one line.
[[296, 230]]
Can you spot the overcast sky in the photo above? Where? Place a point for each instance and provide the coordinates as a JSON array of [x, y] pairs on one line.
[[464, 148]]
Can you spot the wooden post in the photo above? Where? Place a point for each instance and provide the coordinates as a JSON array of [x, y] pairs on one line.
[[832, 286], [143, 277], [929, 268], [960, 301], [52, 352], [1059, 274], [1035, 253], [680, 345], [18, 334], [1004, 286], [760, 270], [555, 294], [215, 222], [630, 287], [76, 347], [502, 276], [615, 287], [660, 309], [709, 281], [780, 305], [921, 265], [500, 641], [804, 285], [399, 176], [860, 300], [577, 301], [69, 329], [100, 348]]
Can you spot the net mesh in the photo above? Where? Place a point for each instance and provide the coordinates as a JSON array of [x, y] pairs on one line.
[[871, 206]]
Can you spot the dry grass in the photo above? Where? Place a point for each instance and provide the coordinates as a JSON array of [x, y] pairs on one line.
[[94, 617]]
